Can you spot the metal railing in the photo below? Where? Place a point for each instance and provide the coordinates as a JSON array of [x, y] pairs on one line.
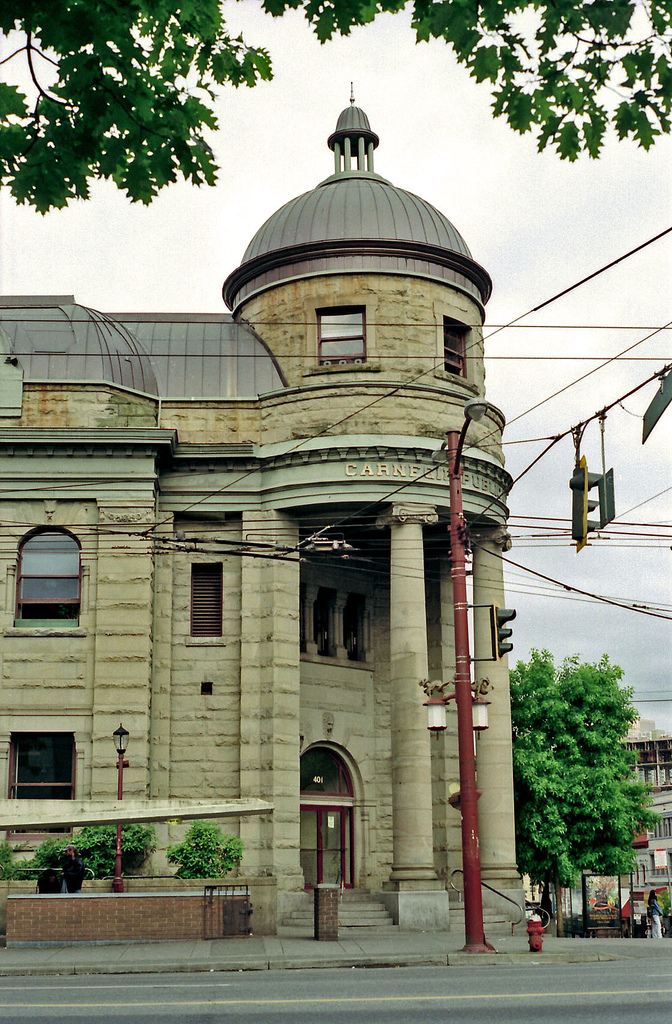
[[490, 888]]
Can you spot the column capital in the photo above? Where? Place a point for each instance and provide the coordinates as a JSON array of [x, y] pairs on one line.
[[499, 537], [410, 512]]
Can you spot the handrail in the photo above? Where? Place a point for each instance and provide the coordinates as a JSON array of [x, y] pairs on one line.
[[505, 897], [459, 871], [88, 873]]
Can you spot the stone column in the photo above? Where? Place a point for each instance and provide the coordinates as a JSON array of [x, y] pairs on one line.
[[124, 606], [269, 709], [160, 723], [413, 854], [310, 597], [494, 759], [445, 760]]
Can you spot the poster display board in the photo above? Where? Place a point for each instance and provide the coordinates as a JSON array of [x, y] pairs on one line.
[[601, 903]]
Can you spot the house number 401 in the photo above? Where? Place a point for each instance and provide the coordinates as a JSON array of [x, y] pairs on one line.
[[318, 778]]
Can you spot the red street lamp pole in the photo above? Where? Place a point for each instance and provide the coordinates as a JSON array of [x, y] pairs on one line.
[[475, 941], [120, 737]]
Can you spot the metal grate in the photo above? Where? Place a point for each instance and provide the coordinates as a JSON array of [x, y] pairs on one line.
[[226, 911], [206, 599]]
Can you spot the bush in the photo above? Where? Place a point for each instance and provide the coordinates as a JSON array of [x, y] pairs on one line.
[[5, 859], [48, 854], [206, 852], [97, 845]]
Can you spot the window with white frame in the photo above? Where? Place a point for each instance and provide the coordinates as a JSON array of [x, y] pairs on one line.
[[341, 335], [49, 579]]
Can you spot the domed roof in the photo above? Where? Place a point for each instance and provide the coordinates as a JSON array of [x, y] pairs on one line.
[[356, 221], [56, 339], [354, 207], [192, 355]]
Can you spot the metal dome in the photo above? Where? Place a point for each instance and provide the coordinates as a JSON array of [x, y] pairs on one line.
[[354, 207], [355, 221], [56, 339]]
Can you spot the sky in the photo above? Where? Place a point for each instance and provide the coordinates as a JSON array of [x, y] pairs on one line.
[[536, 223]]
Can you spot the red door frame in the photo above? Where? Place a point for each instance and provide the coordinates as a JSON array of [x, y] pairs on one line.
[[345, 810]]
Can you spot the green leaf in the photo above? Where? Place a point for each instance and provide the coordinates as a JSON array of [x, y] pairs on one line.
[[485, 64], [12, 101], [624, 119], [519, 111]]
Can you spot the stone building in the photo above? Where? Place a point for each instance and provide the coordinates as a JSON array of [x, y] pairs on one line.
[[229, 532]]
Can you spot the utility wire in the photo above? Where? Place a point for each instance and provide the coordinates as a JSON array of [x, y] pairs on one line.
[[585, 593]]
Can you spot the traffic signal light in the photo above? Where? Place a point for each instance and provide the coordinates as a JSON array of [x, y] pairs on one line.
[[499, 631], [581, 483], [607, 504]]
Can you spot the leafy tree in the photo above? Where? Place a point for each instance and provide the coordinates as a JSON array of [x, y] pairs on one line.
[[578, 802], [125, 90], [206, 852]]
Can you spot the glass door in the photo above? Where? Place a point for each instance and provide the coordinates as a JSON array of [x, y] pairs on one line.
[[326, 845]]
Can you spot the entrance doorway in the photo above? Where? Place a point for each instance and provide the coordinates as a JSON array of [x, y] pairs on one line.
[[326, 819]]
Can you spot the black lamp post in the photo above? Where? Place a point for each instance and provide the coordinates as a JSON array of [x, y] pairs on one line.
[[120, 737]]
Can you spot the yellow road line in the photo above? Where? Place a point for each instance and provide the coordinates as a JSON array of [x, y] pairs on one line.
[[339, 999]]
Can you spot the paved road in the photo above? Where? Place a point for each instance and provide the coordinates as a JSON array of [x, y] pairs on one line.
[[618, 992]]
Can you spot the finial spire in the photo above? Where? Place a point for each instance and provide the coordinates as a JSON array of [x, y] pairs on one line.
[[353, 142]]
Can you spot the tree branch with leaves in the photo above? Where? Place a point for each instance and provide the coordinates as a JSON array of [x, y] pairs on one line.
[[135, 82]]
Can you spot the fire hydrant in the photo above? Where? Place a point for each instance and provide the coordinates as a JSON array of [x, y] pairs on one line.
[[535, 934]]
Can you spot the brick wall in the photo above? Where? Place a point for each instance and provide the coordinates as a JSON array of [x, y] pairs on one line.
[[326, 912], [263, 894], [109, 918]]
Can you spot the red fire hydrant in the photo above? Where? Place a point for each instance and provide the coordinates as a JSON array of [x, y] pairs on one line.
[[535, 934]]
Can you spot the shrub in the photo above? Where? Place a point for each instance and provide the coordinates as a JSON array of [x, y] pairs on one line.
[[5, 859], [97, 845], [206, 852], [48, 854]]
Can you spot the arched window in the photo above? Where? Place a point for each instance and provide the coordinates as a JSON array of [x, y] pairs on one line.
[[48, 583], [323, 772]]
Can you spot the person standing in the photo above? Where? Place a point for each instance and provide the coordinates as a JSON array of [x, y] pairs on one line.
[[72, 872], [656, 915]]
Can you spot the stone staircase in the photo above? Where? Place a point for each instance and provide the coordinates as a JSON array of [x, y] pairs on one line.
[[358, 909], [495, 921]]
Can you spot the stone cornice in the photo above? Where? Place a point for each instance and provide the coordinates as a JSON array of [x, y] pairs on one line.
[[362, 248], [88, 437], [214, 451]]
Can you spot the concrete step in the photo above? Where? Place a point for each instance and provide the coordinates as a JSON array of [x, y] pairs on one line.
[[357, 909]]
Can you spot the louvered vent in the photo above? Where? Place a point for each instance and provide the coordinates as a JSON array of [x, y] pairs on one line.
[[206, 600]]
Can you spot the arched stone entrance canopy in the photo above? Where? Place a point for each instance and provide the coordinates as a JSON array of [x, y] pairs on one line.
[[326, 819]]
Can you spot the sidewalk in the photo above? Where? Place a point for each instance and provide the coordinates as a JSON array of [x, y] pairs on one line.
[[365, 948]]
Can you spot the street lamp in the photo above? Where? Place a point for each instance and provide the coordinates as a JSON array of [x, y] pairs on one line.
[[120, 738], [451, 452]]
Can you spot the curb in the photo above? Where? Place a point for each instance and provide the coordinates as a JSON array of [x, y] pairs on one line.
[[532, 960], [459, 959]]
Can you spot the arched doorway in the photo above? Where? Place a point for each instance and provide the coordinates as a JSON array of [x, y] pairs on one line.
[[326, 819]]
